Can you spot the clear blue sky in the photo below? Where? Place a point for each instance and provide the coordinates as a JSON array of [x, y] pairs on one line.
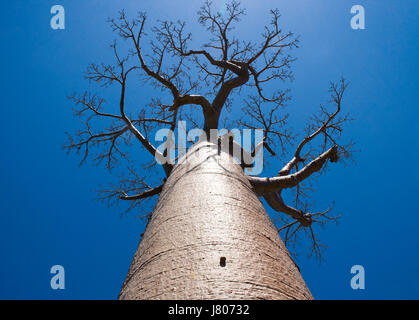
[[48, 214]]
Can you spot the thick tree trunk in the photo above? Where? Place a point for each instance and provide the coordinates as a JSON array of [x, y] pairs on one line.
[[210, 238]]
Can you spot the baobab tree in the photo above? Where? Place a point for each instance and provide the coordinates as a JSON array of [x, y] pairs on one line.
[[209, 235]]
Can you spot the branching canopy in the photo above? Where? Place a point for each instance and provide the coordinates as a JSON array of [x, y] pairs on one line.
[[203, 82]]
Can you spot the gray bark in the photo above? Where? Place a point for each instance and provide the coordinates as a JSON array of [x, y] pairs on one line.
[[209, 237]]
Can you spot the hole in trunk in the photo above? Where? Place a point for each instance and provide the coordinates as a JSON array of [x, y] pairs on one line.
[[222, 261]]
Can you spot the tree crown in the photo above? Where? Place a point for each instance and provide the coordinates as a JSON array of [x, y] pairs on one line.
[[211, 78]]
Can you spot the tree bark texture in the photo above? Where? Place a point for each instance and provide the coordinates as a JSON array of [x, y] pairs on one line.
[[209, 237]]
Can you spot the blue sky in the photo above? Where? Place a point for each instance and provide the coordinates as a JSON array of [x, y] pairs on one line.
[[48, 214]]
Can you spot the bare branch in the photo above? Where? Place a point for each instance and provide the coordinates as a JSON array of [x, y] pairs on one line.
[[87, 138], [264, 185], [327, 122], [255, 116], [293, 230], [134, 30], [276, 202], [146, 194]]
